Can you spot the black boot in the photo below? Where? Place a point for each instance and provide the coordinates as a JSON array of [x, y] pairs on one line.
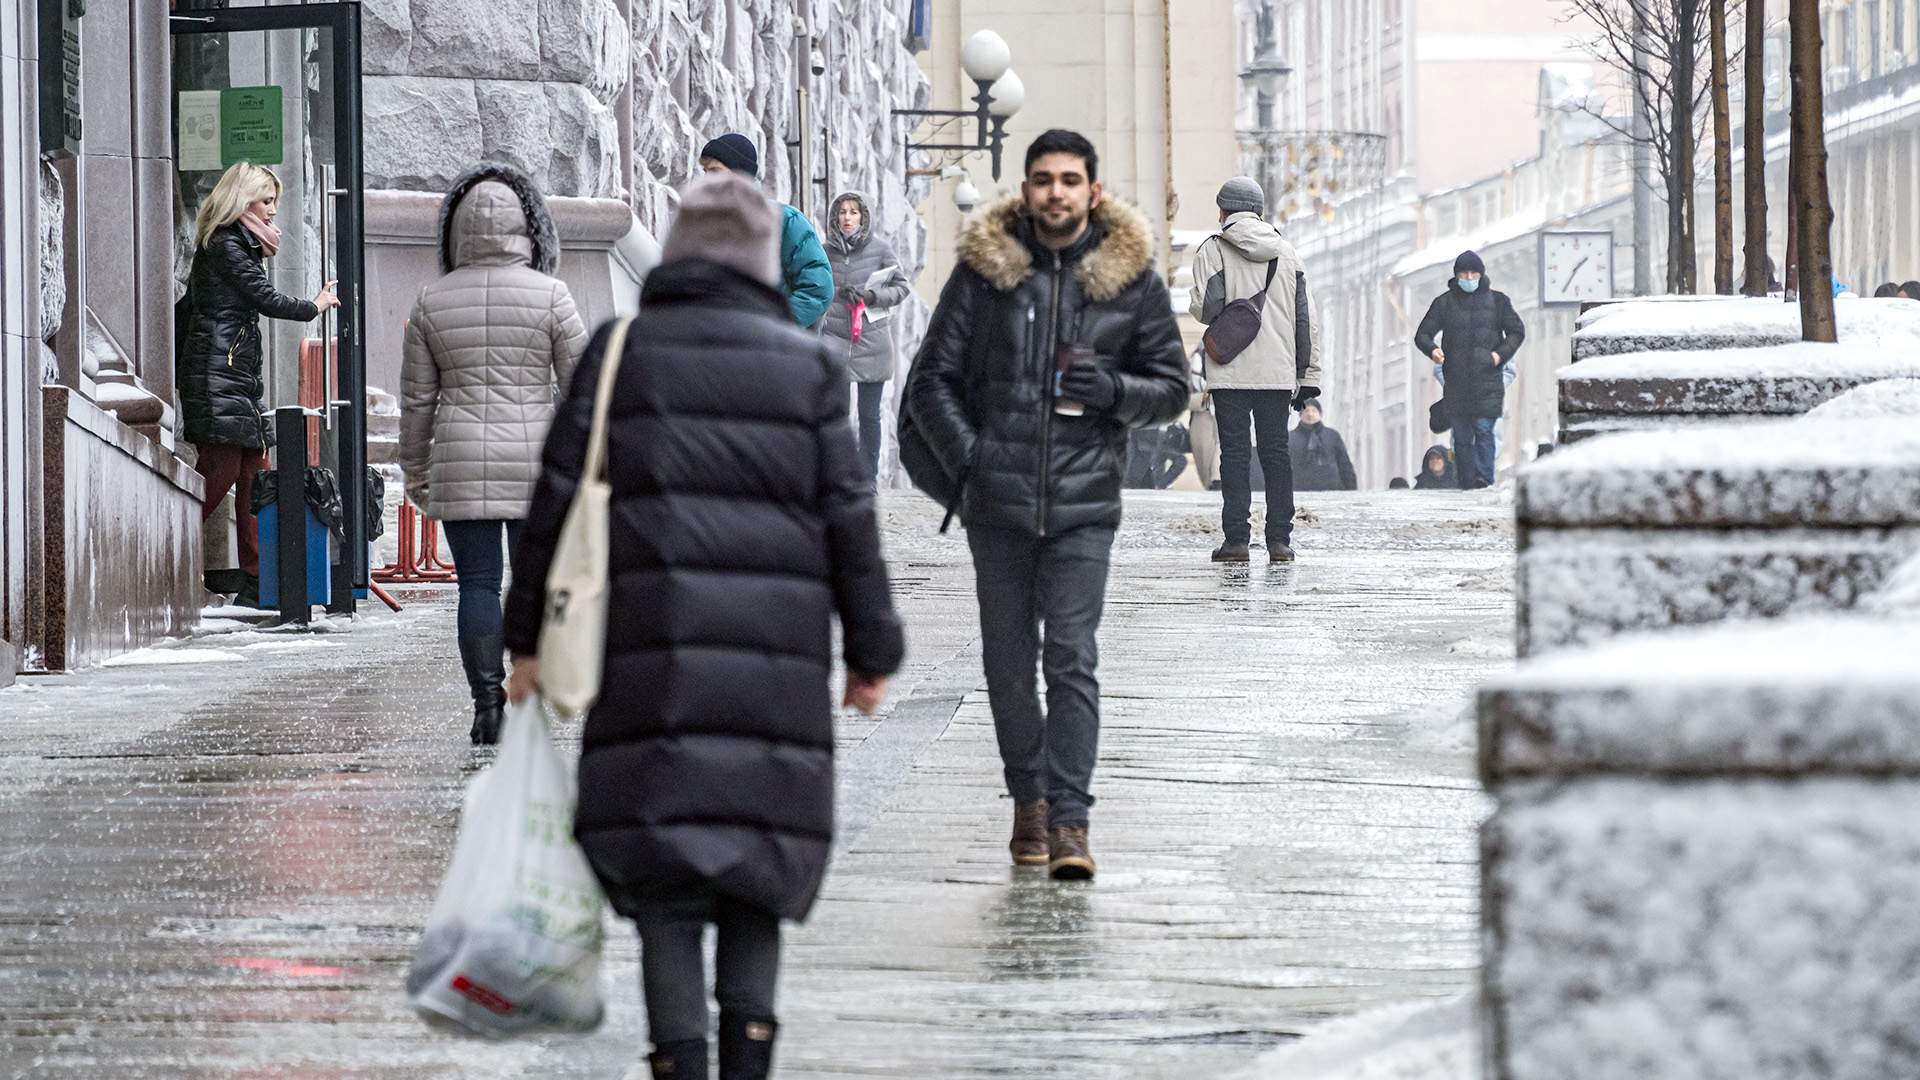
[[746, 1046], [249, 594], [684, 1060], [486, 665]]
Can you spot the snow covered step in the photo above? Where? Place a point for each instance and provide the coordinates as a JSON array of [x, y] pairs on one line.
[[1666, 361], [1668, 389], [1703, 861], [1683, 324], [1584, 586], [1751, 929], [1647, 530], [1827, 694]]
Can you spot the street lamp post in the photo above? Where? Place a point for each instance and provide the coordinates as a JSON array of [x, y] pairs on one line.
[[999, 95]]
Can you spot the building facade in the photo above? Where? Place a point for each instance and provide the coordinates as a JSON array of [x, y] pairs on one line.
[[1523, 163], [604, 102]]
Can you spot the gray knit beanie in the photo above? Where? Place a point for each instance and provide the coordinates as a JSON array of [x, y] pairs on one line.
[[724, 218], [1242, 194]]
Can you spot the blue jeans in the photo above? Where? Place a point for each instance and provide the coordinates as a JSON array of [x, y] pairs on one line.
[[1473, 451], [482, 567], [873, 395]]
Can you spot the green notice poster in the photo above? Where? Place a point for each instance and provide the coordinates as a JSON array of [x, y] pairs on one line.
[[250, 125]]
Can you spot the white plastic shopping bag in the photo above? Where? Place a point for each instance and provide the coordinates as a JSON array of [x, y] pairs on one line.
[[513, 943]]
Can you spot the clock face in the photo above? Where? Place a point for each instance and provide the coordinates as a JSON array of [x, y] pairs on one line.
[[1576, 266]]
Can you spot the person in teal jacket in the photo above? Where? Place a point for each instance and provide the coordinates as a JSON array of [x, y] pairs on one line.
[[804, 269]]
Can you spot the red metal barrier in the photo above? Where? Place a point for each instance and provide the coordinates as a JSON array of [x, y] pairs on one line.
[[418, 560], [319, 374]]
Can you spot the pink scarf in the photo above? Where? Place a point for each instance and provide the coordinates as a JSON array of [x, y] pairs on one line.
[[264, 231]]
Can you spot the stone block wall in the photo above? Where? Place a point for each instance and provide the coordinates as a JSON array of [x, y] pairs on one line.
[[449, 82], [1703, 862]]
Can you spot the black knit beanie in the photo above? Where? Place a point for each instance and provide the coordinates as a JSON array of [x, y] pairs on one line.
[[735, 151]]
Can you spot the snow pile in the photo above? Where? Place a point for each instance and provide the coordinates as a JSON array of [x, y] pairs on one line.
[[162, 656], [1763, 928], [1402, 1042], [1825, 693], [1900, 595], [381, 403], [1886, 400]]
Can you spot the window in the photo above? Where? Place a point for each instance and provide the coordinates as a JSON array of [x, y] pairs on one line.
[[920, 25], [1870, 66]]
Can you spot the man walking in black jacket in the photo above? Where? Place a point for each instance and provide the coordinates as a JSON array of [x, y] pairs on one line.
[[1053, 339], [1471, 332]]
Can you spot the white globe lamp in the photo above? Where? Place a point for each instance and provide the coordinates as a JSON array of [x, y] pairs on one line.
[[1008, 93], [985, 57]]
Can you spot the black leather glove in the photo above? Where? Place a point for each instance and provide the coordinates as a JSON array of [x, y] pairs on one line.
[[1091, 385], [1304, 395]]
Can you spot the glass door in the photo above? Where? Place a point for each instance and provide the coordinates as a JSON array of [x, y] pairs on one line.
[[280, 87]]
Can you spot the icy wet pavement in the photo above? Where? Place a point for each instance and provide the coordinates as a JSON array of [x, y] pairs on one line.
[[218, 869]]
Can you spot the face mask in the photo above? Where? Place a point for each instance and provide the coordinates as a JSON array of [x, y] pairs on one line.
[[1469, 284]]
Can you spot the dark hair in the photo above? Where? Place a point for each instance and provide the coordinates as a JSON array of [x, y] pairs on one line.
[[1397, 483], [1062, 141], [1886, 291], [1912, 289]]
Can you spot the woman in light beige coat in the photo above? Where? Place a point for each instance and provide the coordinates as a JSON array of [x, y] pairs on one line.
[[489, 349]]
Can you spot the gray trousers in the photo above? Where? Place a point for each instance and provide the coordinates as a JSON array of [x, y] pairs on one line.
[[1041, 599]]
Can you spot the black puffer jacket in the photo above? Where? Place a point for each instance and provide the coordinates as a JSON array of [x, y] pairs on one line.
[[981, 391], [742, 524], [218, 376], [1320, 461], [1471, 328]]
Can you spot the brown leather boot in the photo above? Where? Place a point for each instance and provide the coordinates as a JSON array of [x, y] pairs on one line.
[[1029, 843], [1068, 856]]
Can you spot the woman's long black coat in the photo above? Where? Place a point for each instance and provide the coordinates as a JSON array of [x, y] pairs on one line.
[[742, 524], [218, 375], [1472, 328]]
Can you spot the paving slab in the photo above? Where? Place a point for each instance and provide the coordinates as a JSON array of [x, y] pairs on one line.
[[219, 854]]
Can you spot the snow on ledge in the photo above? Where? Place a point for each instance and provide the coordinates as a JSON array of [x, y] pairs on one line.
[[1860, 320], [1804, 444], [1817, 694], [1800, 360]]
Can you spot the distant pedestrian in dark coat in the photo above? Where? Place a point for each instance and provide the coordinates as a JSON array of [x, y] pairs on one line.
[[220, 377], [1319, 455], [1436, 470], [743, 524], [1472, 332]]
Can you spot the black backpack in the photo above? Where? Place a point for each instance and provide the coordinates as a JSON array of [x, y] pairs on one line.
[[1238, 323]]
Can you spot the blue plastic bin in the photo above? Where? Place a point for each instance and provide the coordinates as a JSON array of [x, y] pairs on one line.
[[319, 559]]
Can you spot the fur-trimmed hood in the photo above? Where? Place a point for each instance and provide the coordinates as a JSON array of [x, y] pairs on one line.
[[991, 245], [540, 230]]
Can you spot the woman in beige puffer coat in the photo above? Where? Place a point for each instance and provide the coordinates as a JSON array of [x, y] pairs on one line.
[[489, 349]]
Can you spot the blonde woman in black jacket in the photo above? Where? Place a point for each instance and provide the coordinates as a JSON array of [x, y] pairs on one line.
[[219, 374]]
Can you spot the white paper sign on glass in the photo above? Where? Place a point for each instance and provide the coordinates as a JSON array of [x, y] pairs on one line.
[[199, 131]]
